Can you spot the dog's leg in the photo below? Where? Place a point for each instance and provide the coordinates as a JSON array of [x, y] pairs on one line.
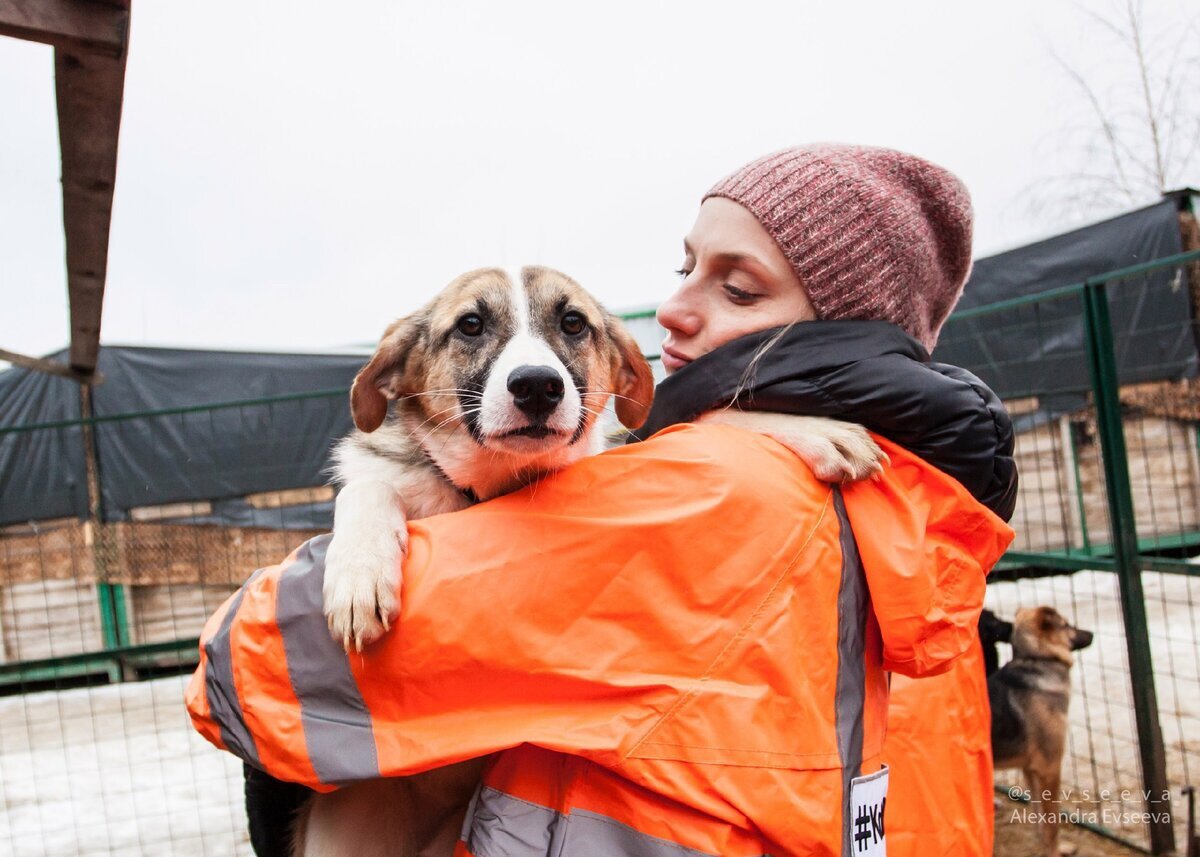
[[362, 568], [1051, 778], [836, 451], [1043, 788]]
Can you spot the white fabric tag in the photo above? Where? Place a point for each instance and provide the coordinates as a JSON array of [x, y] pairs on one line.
[[868, 799]]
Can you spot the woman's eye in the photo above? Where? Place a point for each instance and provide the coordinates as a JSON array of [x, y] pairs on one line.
[[740, 296], [470, 325], [573, 324], [683, 272]]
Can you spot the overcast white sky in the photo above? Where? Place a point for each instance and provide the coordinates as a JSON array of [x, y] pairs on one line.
[[293, 175]]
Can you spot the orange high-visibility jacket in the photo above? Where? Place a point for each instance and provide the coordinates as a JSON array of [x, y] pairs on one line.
[[671, 645], [939, 755]]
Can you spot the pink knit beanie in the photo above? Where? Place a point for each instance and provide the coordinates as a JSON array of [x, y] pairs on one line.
[[872, 233]]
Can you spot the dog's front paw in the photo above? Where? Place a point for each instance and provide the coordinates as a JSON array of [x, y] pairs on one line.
[[362, 587], [837, 451]]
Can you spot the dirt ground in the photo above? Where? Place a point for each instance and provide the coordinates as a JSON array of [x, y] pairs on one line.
[[1015, 838]]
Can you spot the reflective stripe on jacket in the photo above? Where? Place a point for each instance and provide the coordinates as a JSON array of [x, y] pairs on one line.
[[671, 641]]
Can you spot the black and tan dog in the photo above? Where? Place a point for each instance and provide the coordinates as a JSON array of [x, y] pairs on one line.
[[1029, 697]]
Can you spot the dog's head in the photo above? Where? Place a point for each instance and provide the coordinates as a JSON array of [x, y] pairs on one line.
[[518, 363], [1042, 632]]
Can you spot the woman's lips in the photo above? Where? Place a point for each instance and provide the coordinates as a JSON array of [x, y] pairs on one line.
[[673, 360]]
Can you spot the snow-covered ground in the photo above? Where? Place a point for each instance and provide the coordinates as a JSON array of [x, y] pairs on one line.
[[119, 770], [1102, 752], [114, 770]]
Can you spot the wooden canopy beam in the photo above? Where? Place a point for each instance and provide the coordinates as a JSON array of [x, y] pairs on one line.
[[79, 27], [89, 90], [49, 367], [90, 40]]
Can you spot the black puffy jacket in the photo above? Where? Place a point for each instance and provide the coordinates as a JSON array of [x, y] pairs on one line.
[[867, 372]]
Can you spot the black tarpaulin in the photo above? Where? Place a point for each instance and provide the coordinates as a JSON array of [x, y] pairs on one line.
[[42, 472], [1041, 350], [155, 459]]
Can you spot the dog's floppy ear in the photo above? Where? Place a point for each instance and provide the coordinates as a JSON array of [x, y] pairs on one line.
[[385, 376], [633, 382]]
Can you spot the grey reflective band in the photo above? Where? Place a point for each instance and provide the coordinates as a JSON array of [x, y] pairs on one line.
[[223, 702], [853, 603], [337, 725], [500, 825]]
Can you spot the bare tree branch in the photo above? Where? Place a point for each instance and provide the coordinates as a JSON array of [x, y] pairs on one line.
[[1106, 126], [1142, 131], [1135, 30]]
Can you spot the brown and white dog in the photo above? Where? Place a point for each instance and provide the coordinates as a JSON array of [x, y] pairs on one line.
[[1029, 698], [499, 380]]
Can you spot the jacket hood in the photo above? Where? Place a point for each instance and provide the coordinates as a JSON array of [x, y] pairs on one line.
[[868, 372]]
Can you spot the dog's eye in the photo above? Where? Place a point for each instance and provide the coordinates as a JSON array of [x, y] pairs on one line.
[[573, 324], [470, 325]]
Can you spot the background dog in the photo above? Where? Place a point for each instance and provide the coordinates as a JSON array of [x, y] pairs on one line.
[[1029, 697], [499, 380]]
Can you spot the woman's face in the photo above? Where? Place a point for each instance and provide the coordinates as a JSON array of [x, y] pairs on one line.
[[736, 281]]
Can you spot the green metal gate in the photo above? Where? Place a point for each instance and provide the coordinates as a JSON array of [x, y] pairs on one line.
[[1108, 525]]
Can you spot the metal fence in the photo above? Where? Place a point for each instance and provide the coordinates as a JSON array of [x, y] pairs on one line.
[[93, 762], [1108, 525], [99, 620]]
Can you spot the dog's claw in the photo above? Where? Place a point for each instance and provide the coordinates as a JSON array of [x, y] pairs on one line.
[[360, 590], [844, 453]]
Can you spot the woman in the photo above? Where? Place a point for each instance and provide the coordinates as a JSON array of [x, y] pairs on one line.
[[681, 647]]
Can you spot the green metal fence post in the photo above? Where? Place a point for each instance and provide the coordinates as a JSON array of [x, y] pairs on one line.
[[114, 623], [1103, 366]]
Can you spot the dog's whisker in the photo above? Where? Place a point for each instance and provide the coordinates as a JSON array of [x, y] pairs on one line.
[[412, 432], [450, 435], [439, 392], [611, 393], [446, 422], [436, 414], [434, 430]]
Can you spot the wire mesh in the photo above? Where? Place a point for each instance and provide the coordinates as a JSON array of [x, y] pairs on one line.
[[1035, 352], [92, 761]]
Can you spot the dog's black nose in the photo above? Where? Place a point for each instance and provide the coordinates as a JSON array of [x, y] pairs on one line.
[[536, 390]]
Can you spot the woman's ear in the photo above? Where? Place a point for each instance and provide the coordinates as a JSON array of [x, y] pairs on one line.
[[633, 382], [388, 375]]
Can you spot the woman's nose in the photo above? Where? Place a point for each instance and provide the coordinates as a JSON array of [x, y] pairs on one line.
[[678, 314]]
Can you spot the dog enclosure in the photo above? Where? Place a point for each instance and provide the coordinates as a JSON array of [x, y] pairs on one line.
[[1107, 413], [124, 527]]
